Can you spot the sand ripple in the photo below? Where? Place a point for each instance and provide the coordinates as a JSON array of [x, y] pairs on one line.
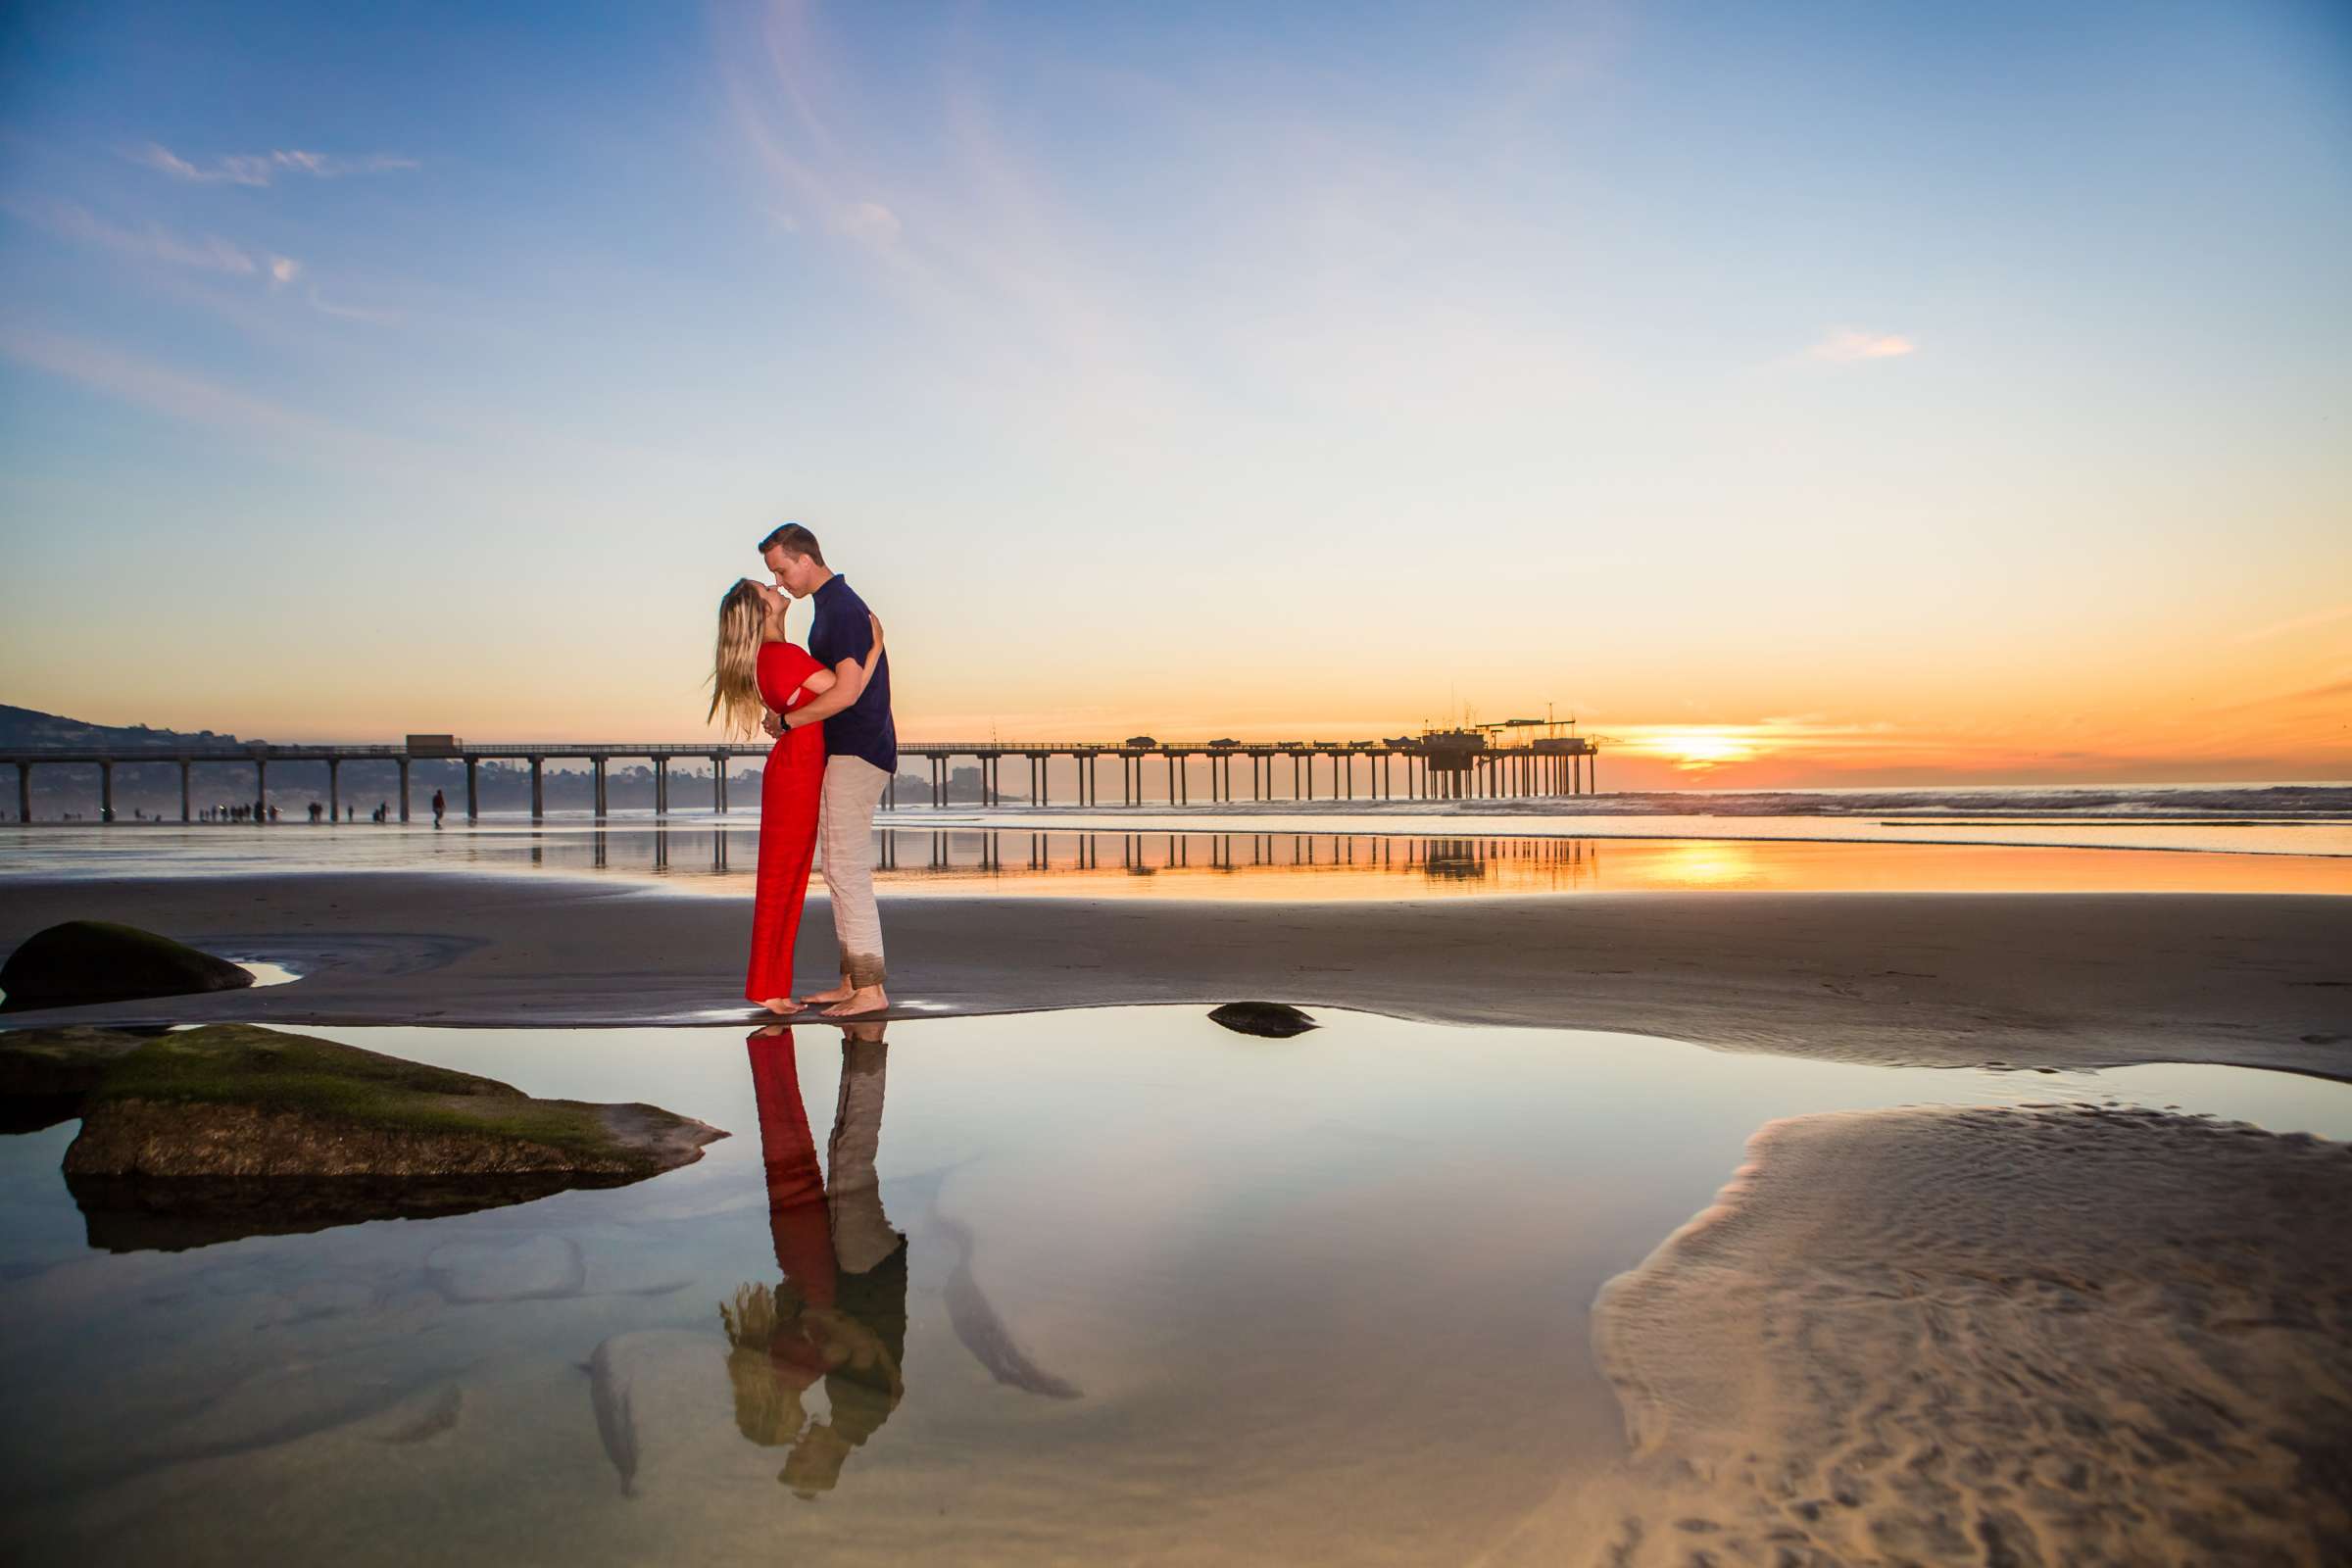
[[1990, 1336]]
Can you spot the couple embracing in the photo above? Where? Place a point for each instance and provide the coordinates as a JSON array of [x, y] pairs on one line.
[[828, 707]]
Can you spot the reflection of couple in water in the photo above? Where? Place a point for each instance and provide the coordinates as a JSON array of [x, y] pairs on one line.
[[836, 750], [839, 1311]]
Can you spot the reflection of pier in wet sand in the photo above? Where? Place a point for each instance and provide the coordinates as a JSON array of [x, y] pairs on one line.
[[912, 857], [1450, 860]]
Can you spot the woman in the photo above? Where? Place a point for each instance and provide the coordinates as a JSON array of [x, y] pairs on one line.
[[759, 672]]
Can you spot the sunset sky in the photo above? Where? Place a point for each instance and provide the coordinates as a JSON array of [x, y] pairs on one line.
[[1795, 394]]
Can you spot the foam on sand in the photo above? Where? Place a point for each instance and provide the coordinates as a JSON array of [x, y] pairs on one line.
[[1990, 1336]]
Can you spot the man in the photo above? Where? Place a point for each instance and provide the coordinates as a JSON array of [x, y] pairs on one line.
[[862, 753]]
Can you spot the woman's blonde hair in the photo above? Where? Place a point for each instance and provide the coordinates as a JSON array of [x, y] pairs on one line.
[[767, 1412], [735, 673]]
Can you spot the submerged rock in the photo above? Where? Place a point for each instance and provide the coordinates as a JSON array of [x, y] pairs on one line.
[[1272, 1020], [528, 1268], [205, 1134], [83, 961]]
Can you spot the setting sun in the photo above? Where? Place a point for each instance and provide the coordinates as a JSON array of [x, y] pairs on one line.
[[1694, 749]]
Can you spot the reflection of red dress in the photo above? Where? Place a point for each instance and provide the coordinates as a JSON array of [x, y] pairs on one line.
[[789, 794], [797, 1218]]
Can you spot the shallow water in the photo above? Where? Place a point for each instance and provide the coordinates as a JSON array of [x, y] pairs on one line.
[[1178, 860], [1167, 1292]]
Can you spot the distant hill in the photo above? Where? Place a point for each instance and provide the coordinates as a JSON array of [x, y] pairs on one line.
[[25, 726]]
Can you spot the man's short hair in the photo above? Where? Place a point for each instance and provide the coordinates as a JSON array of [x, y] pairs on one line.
[[793, 540]]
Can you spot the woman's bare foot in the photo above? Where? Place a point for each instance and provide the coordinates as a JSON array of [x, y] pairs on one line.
[[782, 1006], [840, 992], [862, 1001]]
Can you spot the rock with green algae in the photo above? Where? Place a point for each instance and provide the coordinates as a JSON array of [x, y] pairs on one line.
[[46, 1073], [239, 1100], [243, 1102], [209, 1135], [41, 1064], [83, 961]]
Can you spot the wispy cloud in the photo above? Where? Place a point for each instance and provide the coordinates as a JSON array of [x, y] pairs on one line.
[[2331, 690], [1316, 291], [264, 169], [351, 313], [182, 395], [2318, 617], [870, 221], [1845, 346], [153, 243]]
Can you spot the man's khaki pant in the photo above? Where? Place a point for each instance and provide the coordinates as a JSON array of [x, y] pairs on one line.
[[844, 836]]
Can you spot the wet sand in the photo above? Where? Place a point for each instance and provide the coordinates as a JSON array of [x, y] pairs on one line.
[[2000, 1336], [2059, 980]]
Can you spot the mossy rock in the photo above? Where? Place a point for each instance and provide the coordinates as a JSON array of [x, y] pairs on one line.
[[1270, 1020], [47, 1063], [83, 961], [206, 1135], [241, 1100]]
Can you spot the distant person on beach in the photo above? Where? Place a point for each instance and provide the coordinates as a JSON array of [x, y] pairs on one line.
[[757, 675], [439, 805], [861, 747]]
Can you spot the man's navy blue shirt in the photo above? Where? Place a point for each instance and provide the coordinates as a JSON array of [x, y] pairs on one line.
[[864, 728]]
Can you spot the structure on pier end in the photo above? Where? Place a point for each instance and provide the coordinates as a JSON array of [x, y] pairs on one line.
[[1517, 756]]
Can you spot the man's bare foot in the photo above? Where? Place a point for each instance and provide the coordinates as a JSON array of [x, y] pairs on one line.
[[863, 999], [840, 992], [782, 1006]]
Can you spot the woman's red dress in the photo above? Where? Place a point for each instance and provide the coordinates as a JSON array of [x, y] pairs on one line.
[[789, 794]]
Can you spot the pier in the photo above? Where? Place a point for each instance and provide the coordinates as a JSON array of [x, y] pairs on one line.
[[1521, 759]]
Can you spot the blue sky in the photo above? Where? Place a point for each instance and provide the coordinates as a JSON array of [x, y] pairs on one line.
[[1900, 386]]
